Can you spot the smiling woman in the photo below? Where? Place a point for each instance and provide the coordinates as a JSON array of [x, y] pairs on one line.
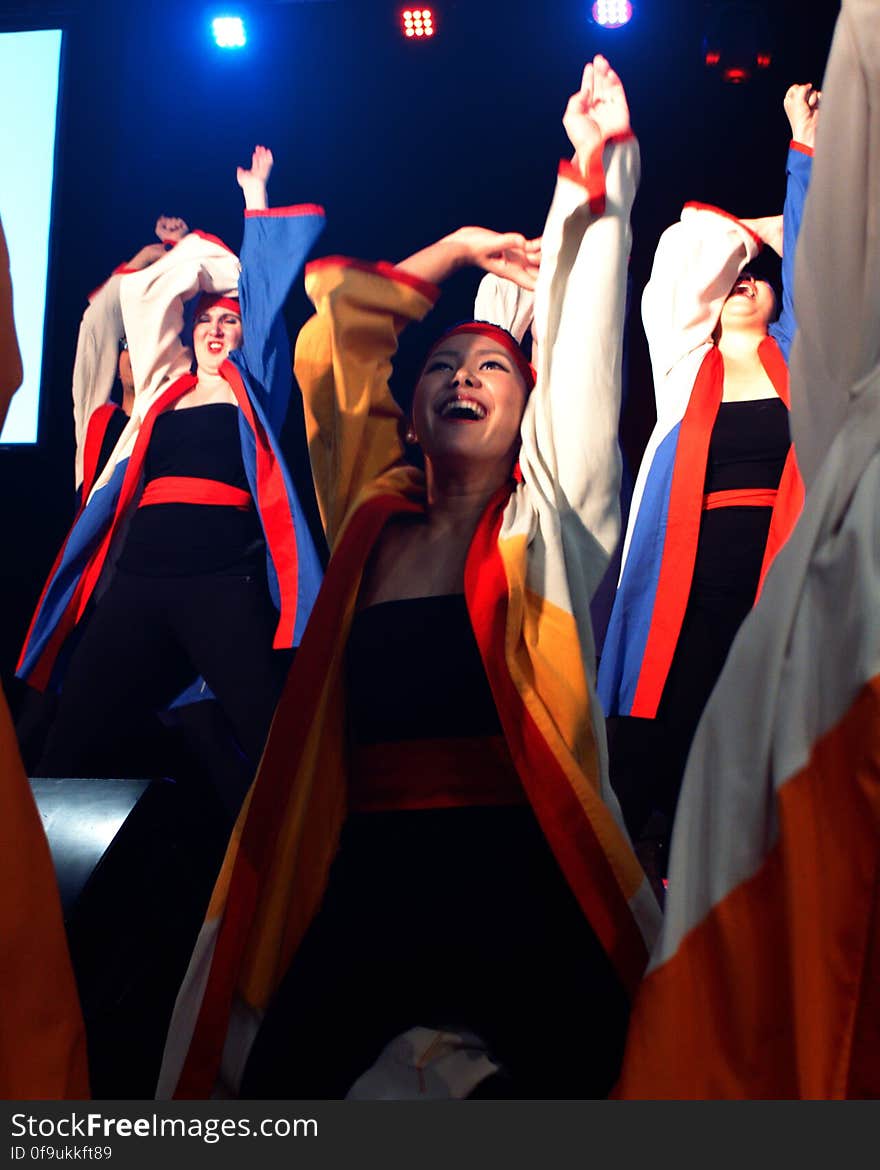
[[190, 550], [718, 491], [431, 850]]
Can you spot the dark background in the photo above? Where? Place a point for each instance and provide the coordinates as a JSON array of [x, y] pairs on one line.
[[401, 142]]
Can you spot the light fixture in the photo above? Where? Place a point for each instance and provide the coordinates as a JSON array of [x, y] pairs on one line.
[[229, 32], [612, 13]]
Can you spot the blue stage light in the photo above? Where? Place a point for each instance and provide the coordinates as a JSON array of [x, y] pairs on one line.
[[612, 13], [229, 32]]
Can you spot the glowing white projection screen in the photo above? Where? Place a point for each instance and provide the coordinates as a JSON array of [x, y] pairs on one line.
[[29, 68]]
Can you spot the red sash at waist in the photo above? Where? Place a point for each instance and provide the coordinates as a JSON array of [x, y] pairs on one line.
[[433, 773], [184, 489], [740, 498]]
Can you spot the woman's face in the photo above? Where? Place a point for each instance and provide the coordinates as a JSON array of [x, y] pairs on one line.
[[216, 331], [749, 302], [469, 400]]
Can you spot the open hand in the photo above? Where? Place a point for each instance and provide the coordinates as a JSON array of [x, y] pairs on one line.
[[801, 104], [507, 254], [597, 111]]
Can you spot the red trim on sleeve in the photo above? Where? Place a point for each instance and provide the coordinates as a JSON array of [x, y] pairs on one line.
[[119, 270], [696, 206], [284, 212], [211, 239], [594, 180], [800, 147], [379, 268]]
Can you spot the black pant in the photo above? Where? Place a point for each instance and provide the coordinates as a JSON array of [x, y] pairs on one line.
[[148, 639], [455, 918]]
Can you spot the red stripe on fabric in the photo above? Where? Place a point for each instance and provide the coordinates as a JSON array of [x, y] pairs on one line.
[[433, 773], [185, 489], [786, 513], [378, 268], [295, 715], [293, 210], [129, 488], [775, 366], [790, 497], [773, 994], [740, 498], [275, 513], [96, 431], [42, 670], [683, 518], [727, 215], [800, 147], [556, 805]]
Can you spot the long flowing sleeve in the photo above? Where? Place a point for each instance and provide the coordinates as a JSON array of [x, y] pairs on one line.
[[695, 265], [837, 265], [570, 455], [343, 365], [152, 309]]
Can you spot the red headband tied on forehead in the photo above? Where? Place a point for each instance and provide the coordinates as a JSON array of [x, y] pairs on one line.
[[210, 300], [501, 337]]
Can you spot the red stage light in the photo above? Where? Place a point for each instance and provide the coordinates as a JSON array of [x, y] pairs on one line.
[[763, 60], [417, 22], [735, 75], [713, 57]]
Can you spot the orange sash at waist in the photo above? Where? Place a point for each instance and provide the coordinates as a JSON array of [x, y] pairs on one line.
[[740, 498], [184, 489], [433, 773]]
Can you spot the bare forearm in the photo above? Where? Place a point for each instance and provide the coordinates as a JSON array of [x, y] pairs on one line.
[[436, 262]]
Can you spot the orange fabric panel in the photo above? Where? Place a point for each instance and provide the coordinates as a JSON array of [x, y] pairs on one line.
[[42, 1035], [775, 993]]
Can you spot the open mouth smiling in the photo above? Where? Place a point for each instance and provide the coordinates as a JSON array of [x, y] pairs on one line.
[[461, 408], [744, 288]]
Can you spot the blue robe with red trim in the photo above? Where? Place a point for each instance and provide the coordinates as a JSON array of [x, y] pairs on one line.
[[275, 246], [696, 264]]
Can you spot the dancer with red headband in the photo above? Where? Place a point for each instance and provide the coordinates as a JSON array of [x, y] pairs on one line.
[[191, 540], [431, 850]]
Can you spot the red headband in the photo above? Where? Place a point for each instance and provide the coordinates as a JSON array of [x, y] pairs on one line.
[[210, 300], [506, 340]]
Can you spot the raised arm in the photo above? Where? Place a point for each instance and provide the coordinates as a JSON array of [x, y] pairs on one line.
[[344, 352], [570, 457], [695, 266], [97, 347], [802, 110], [274, 248], [10, 358], [837, 267]]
